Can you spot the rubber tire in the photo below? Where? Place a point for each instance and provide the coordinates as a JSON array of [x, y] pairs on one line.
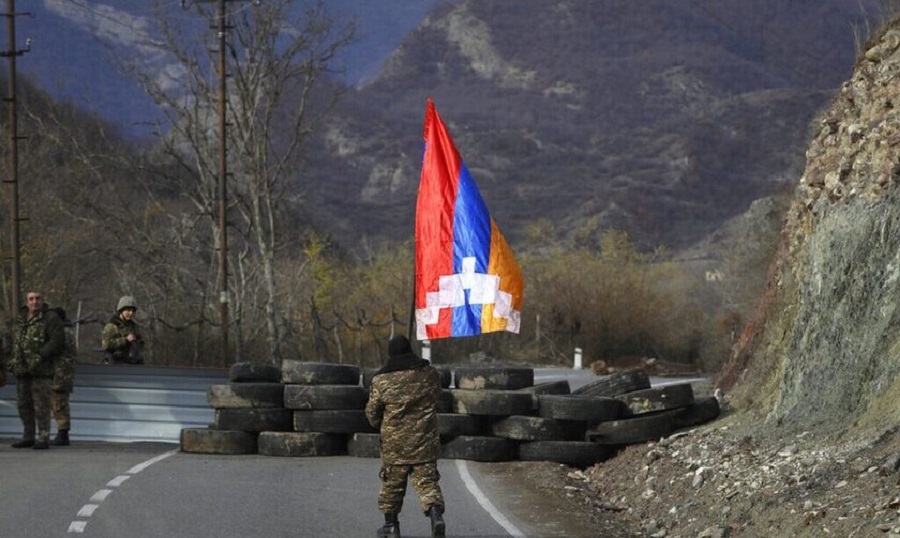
[[524, 428], [445, 402], [580, 454], [589, 409], [633, 430], [225, 442], [452, 425], [324, 397], [332, 421], [560, 388], [318, 373], [479, 448], [241, 372], [302, 444], [615, 384], [494, 378], [656, 399], [699, 412], [366, 376], [246, 395], [364, 445], [491, 402], [446, 376], [552, 387], [254, 420], [445, 372]]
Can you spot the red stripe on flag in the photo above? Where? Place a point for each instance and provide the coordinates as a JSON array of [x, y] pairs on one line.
[[438, 187]]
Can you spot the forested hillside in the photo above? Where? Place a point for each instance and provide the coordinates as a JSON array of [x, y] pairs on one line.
[[614, 129]]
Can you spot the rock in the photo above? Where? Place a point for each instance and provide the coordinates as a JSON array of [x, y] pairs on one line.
[[715, 532], [891, 465]]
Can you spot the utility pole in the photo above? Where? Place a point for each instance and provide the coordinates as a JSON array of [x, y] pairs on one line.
[[223, 174], [13, 153], [224, 295]]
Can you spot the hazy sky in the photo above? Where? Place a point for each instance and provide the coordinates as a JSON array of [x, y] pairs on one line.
[[69, 61]]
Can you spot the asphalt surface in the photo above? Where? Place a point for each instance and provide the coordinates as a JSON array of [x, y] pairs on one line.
[[151, 489], [143, 490]]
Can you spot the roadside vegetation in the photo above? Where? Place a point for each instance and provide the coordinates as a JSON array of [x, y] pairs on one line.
[[104, 217]]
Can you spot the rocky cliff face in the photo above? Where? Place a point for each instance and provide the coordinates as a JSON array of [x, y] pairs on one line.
[[824, 352]]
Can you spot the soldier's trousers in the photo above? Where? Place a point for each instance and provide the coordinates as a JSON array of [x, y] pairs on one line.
[[424, 477], [33, 401], [59, 405]]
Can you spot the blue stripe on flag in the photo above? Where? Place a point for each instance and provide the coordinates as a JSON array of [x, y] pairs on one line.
[[471, 239]]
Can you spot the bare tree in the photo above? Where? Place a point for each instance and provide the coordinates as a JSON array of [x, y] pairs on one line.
[[277, 59]]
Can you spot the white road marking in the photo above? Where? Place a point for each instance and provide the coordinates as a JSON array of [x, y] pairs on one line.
[[86, 511], [101, 495], [117, 481], [484, 501], [77, 527], [141, 466]]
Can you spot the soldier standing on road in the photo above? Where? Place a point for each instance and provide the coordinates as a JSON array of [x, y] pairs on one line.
[[121, 339], [4, 355], [63, 383], [37, 339], [402, 405]]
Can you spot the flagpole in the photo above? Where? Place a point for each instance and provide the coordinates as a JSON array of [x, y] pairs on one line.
[[411, 319]]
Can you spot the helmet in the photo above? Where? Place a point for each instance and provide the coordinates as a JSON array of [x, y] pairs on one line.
[[126, 301]]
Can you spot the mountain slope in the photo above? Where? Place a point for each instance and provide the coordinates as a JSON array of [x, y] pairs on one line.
[[661, 118]]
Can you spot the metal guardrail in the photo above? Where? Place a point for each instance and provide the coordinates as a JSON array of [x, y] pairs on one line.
[[124, 403]]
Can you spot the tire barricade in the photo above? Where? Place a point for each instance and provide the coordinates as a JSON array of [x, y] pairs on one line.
[[307, 409]]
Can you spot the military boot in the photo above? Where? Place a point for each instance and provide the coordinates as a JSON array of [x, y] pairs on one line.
[[42, 442], [436, 514], [62, 438], [23, 443], [391, 528]]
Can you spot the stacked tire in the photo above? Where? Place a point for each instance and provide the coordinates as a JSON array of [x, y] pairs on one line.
[[483, 396], [252, 402], [326, 402], [649, 413], [307, 409], [303, 409]]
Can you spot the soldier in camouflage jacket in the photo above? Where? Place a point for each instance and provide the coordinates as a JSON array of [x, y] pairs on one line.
[[63, 383], [121, 338], [402, 406], [36, 340]]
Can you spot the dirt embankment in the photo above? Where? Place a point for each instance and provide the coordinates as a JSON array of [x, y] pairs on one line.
[[811, 445], [717, 481]]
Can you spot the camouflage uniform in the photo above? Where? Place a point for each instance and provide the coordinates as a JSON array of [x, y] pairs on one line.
[[64, 382], [115, 344], [402, 405], [35, 343], [4, 353]]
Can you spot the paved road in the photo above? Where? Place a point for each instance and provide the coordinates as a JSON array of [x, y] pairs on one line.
[[150, 489], [143, 490]]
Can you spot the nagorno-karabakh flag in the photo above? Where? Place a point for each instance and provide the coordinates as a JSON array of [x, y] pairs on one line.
[[467, 279]]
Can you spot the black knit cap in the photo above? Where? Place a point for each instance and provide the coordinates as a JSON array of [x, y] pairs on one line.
[[399, 345]]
